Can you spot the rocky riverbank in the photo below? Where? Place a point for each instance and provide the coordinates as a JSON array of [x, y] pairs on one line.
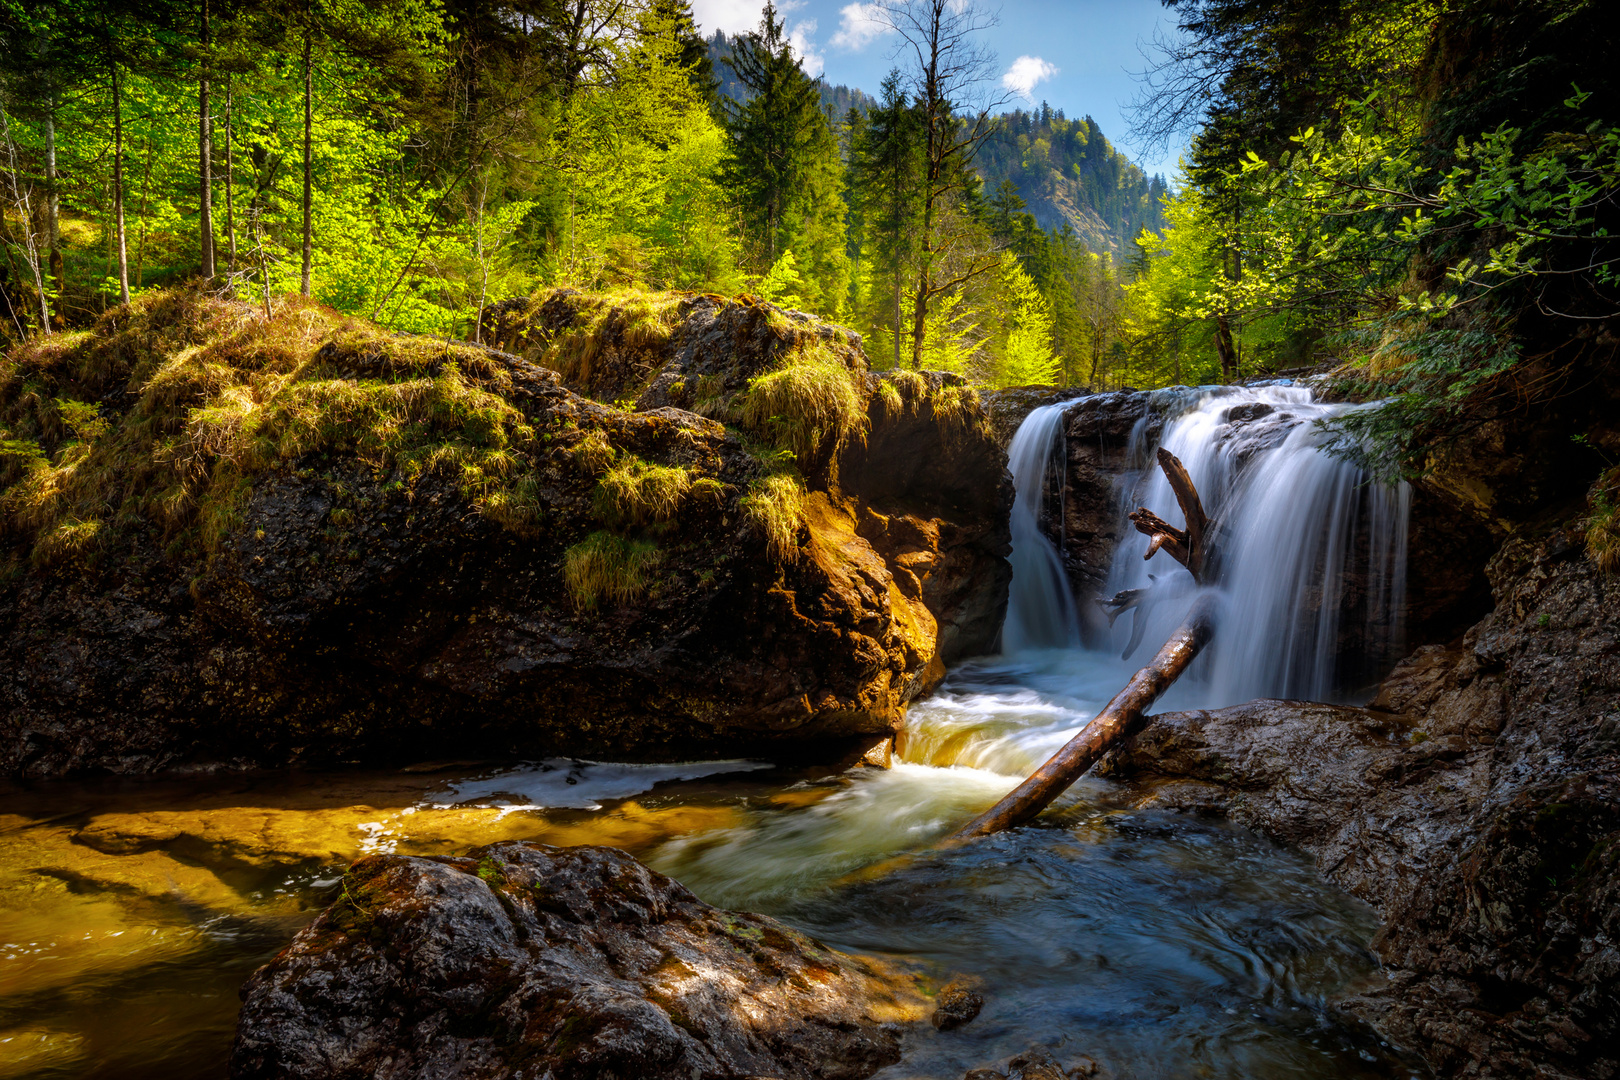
[[1475, 803], [247, 541]]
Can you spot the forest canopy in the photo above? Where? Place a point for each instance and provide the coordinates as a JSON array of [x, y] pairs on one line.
[[1400, 190]]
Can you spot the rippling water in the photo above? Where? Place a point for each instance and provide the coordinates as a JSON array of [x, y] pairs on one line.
[[1159, 944]]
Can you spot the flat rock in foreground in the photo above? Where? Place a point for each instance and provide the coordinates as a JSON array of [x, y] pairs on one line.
[[522, 960]]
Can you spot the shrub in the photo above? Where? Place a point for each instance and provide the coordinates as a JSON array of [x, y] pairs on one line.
[[775, 506], [607, 567]]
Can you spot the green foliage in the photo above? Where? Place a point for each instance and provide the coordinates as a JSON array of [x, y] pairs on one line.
[[608, 568], [1027, 357]]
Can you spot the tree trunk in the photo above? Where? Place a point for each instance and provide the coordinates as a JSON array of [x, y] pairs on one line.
[[1119, 717], [309, 120], [205, 158], [230, 181], [1225, 349], [53, 211], [897, 287], [118, 186]]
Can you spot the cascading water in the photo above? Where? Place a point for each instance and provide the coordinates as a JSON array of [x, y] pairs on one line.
[[1040, 608], [1311, 551]]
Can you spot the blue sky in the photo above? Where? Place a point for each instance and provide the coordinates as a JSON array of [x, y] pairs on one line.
[[1077, 55]]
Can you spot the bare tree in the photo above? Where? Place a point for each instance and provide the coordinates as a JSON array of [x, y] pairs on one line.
[[951, 81], [21, 195], [1179, 85]]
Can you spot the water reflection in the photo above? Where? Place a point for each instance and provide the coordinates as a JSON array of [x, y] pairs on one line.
[[1160, 945]]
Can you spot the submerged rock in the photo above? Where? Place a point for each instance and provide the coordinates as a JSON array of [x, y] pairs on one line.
[[1476, 804], [305, 540], [522, 960]]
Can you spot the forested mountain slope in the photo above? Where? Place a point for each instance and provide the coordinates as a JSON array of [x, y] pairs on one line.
[[1068, 173]]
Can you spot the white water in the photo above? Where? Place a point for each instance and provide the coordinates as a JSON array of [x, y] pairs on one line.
[[1312, 555], [1312, 551], [1040, 611]]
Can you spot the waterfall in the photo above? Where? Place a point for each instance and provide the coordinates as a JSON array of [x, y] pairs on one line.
[[1312, 551], [1040, 607]]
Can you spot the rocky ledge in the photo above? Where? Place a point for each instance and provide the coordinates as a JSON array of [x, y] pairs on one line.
[[1476, 804], [522, 960], [675, 526]]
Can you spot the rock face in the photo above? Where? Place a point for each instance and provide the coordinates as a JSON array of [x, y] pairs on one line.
[[1476, 803], [522, 960], [363, 603]]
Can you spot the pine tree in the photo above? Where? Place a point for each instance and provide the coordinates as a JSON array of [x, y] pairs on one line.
[[889, 170], [776, 134]]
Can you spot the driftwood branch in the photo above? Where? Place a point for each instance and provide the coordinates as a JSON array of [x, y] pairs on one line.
[[1140, 601], [1189, 546], [1120, 717]]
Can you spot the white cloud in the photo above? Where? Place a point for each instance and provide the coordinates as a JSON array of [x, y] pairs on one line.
[[859, 25], [732, 16], [1025, 72], [804, 47]]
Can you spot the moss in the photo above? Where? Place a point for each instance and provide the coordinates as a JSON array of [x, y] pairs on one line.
[[634, 492], [608, 567], [775, 506], [218, 397]]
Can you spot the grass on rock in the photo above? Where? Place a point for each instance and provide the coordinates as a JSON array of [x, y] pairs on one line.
[[606, 567]]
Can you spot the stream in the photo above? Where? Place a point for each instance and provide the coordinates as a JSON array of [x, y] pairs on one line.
[[1159, 944]]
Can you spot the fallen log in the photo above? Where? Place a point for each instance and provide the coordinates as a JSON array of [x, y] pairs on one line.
[[1118, 718], [1123, 714]]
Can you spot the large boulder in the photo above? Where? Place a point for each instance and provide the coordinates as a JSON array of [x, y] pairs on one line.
[[303, 539], [521, 960], [1476, 803]]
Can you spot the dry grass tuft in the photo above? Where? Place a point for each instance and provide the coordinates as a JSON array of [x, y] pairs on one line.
[[1603, 524], [815, 401], [605, 567], [957, 409], [594, 453], [635, 492], [775, 506], [638, 322]]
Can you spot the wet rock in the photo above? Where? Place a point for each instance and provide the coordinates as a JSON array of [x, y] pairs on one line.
[[956, 1004], [1035, 1064], [349, 616], [1106, 438], [1477, 804], [526, 960], [1011, 406]]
